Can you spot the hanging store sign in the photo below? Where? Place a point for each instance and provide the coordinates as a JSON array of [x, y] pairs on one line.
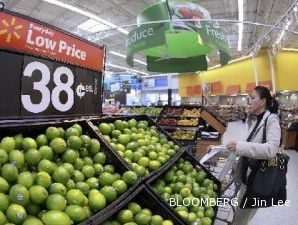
[[45, 72]]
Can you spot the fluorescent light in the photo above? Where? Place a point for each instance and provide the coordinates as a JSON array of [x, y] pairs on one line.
[[239, 59], [208, 60], [86, 13], [92, 26], [124, 68], [240, 25], [123, 56], [290, 49]]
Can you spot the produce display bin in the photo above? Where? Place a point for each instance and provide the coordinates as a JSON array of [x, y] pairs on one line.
[[96, 122], [146, 199], [194, 161], [34, 129]]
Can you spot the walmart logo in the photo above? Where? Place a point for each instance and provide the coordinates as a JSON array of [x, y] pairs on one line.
[[10, 30]]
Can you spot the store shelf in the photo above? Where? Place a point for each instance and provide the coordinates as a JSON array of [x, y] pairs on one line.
[[179, 116]]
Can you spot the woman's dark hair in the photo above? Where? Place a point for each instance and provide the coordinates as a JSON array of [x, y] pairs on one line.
[[271, 103]]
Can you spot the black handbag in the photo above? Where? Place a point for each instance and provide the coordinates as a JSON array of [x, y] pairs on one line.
[[266, 184]]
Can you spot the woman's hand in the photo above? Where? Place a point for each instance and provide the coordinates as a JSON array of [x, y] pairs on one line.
[[231, 146]]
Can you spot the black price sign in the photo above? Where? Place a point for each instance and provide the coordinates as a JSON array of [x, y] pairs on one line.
[[31, 86]]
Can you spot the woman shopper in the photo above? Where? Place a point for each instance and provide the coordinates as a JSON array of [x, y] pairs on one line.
[[264, 108]]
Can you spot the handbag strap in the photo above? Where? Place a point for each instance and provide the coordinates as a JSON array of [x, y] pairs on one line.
[[245, 160]]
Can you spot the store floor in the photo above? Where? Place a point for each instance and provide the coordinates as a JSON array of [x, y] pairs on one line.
[[281, 215]]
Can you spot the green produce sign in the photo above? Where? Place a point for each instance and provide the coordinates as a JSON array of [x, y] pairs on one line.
[[176, 46]]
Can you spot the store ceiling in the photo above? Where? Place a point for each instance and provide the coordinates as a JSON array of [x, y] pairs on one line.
[[124, 12]]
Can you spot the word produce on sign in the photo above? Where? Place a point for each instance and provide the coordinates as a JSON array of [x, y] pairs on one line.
[[47, 72], [28, 36]]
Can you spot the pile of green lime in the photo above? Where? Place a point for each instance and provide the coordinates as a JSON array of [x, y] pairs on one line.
[[141, 145], [133, 214], [57, 178], [188, 190]]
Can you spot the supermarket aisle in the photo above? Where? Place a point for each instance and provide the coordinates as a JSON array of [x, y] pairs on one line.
[[283, 215]]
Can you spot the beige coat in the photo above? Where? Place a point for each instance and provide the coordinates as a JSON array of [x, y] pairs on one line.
[[255, 148]]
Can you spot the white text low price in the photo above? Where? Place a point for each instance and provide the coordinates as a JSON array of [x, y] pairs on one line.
[[63, 47]]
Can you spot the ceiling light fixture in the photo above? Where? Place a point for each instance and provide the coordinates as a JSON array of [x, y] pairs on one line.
[[86, 13], [290, 49], [123, 56], [240, 25], [124, 68]]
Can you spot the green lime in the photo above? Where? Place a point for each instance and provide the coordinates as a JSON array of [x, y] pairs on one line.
[[18, 141], [16, 157], [78, 127], [3, 157], [76, 213], [88, 161], [134, 207], [69, 168], [58, 145], [86, 141], [70, 184], [120, 186], [56, 202], [144, 161], [4, 186], [33, 221], [100, 158], [26, 179], [55, 217], [52, 132], [124, 139], [109, 193], [28, 143], [132, 123], [94, 146], [153, 165], [57, 188], [191, 217], [61, 175], [96, 201], [38, 195], [71, 132], [46, 166], [109, 168], [9, 172], [130, 177], [32, 209], [156, 220], [93, 183], [74, 142], [88, 171], [104, 128], [46, 153], [75, 197], [83, 187], [70, 156], [98, 169], [106, 179], [43, 179], [125, 216], [167, 222], [78, 176], [32, 157], [143, 218], [41, 140], [4, 202], [8, 144], [16, 214], [79, 164], [61, 132], [206, 221]]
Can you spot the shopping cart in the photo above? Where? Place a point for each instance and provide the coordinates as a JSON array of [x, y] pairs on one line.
[[224, 169]]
